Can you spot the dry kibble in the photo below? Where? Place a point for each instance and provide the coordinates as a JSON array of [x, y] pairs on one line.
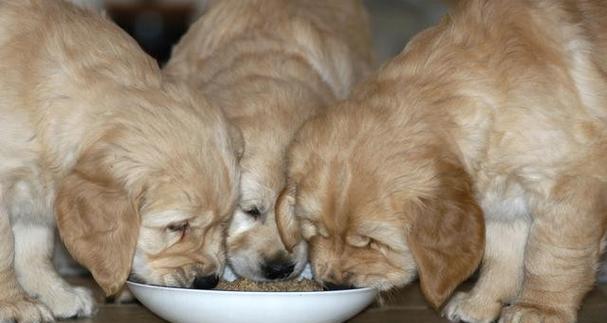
[[303, 285]]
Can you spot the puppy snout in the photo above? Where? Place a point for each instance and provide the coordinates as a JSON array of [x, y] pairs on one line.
[[205, 282], [328, 286], [278, 269], [337, 280]]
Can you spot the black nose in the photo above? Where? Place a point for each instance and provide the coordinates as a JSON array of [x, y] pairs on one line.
[[332, 286], [277, 269], [206, 282]]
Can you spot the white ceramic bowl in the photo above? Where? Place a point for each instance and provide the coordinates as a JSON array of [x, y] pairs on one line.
[[180, 305]]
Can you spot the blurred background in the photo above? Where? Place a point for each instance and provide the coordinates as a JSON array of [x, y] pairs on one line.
[[158, 24]]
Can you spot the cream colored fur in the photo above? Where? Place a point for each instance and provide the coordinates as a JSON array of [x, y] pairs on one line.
[[91, 133], [271, 65], [502, 107]]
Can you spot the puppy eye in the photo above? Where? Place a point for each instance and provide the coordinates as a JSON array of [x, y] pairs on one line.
[[253, 212], [178, 227]]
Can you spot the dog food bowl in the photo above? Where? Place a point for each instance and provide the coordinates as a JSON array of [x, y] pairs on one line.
[[179, 305]]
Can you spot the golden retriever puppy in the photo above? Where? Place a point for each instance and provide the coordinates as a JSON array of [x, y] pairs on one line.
[[136, 170], [485, 139], [271, 65]]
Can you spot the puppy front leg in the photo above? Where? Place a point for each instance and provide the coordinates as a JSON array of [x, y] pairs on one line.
[[562, 253], [501, 275], [15, 304], [36, 273]]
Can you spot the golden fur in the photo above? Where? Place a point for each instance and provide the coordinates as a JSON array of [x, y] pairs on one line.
[[271, 65], [134, 166], [502, 107]]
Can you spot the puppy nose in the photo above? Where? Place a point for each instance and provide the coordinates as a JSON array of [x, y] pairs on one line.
[[277, 269], [327, 286], [205, 282]]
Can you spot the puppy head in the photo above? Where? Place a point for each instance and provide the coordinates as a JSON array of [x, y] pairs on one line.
[[255, 250], [151, 193], [375, 209]]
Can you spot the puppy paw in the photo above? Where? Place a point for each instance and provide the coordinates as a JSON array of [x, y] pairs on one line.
[[531, 314], [466, 307], [69, 302], [24, 309]]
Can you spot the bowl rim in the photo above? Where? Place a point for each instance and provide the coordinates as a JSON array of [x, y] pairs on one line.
[[253, 293]]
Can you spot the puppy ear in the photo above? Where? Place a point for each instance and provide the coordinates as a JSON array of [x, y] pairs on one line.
[[99, 224], [288, 226], [448, 237], [237, 140]]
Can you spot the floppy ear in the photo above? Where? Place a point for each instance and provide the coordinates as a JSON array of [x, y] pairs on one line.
[[99, 225], [448, 236], [288, 226]]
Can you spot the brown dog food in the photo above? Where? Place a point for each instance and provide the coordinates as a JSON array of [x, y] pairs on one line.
[[303, 285]]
